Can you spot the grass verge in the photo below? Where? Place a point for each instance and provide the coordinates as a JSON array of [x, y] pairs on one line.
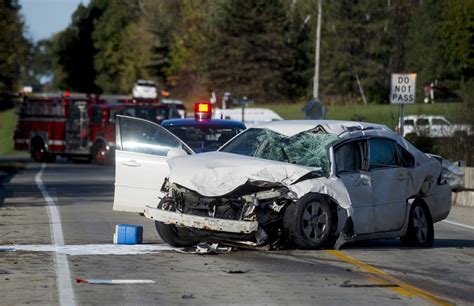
[[8, 120], [376, 113]]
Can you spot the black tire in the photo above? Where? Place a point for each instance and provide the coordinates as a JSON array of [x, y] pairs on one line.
[[308, 222], [420, 232], [100, 154], [39, 153], [171, 234]]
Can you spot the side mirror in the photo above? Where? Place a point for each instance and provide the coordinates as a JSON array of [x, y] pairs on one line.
[[175, 152]]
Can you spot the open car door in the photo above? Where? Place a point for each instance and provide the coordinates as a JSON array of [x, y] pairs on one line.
[[142, 148]]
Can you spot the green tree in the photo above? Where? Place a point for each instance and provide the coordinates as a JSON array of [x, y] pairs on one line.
[[440, 44], [249, 53], [13, 45], [162, 19], [123, 46], [38, 65], [73, 50], [189, 42]]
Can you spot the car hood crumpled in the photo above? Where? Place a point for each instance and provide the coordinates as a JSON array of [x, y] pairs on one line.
[[218, 173]]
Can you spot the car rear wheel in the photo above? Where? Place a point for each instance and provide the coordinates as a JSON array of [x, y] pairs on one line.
[[308, 222], [420, 232], [171, 234]]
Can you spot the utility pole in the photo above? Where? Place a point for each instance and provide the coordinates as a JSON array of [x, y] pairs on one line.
[[316, 60]]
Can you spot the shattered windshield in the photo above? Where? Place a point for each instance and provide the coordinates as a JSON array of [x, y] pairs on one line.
[[308, 148]]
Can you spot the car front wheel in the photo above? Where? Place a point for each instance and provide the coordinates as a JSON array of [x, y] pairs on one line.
[[171, 234], [308, 222], [420, 232]]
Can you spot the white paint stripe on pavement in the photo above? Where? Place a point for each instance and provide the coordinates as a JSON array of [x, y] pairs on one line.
[[91, 249], [458, 224], [63, 276]]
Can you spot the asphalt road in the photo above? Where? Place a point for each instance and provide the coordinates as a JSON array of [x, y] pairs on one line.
[[71, 205]]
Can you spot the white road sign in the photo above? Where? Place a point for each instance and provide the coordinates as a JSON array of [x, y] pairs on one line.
[[403, 89]]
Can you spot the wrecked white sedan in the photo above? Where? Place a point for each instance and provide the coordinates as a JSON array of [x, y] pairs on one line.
[[306, 184]]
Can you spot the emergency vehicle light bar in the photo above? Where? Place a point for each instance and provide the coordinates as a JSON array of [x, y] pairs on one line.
[[202, 110]]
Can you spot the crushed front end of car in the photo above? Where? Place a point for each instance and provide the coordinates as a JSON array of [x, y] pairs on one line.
[[253, 212]]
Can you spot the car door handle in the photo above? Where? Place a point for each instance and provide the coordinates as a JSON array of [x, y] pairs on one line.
[[361, 182], [131, 163], [402, 177]]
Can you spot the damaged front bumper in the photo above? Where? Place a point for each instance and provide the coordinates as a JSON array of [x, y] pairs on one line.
[[198, 222]]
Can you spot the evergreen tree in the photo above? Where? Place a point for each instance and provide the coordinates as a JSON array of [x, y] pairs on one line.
[[162, 20], [356, 49], [440, 44], [249, 53], [73, 50], [424, 48]]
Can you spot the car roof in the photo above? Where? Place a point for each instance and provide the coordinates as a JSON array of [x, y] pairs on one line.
[[338, 127], [414, 117], [208, 122]]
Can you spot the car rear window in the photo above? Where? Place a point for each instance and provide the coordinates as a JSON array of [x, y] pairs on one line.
[[204, 138]]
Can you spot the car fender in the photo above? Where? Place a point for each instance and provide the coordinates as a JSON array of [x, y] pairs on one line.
[[331, 187]]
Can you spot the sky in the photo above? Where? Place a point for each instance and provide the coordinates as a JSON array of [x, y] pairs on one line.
[[46, 17]]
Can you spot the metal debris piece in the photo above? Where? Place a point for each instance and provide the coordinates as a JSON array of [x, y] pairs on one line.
[[114, 281], [206, 248], [236, 271], [187, 296], [7, 249], [347, 284]]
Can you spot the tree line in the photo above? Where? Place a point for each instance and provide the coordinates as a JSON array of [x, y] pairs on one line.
[[257, 48]]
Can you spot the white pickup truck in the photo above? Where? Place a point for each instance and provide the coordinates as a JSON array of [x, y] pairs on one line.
[[433, 126]]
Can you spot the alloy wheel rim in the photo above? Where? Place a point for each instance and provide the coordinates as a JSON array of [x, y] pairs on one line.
[[314, 221], [420, 225]]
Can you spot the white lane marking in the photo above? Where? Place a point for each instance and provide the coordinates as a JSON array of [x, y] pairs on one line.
[[92, 249], [63, 276], [458, 224]]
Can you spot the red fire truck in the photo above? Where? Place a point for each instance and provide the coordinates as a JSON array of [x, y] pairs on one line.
[[78, 126]]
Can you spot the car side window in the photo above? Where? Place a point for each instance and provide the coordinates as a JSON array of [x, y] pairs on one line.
[[382, 153], [439, 122], [349, 157], [145, 137], [406, 159], [422, 122]]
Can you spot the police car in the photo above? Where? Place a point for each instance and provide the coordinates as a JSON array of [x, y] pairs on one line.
[[202, 133]]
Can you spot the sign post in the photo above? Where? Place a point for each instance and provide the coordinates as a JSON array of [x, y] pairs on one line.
[[403, 91]]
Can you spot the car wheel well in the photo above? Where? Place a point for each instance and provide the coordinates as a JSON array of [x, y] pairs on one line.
[[414, 236], [98, 152], [37, 140]]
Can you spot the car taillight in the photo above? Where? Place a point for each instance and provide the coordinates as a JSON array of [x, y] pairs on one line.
[[398, 129], [202, 110]]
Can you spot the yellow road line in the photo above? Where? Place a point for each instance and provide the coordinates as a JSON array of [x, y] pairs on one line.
[[384, 278]]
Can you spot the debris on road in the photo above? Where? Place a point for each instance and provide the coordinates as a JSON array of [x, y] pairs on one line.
[[114, 281], [206, 248], [7, 249], [187, 296], [347, 284], [128, 234], [4, 272], [236, 271]]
